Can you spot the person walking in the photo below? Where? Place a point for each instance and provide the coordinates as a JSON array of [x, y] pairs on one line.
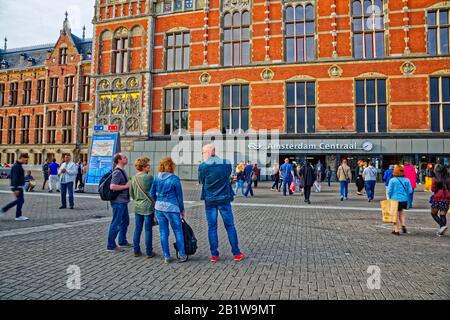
[[307, 178], [45, 173], [359, 181], [83, 177], [344, 176], [429, 175], [256, 175], [79, 176], [387, 177], [370, 179], [440, 201], [276, 176], [287, 171], [328, 173], [248, 171], [399, 189], [411, 175], [53, 177], [218, 195], [120, 216], [167, 193], [17, 185], [144, 214], [298, 177], [67, 174], [240, 179]]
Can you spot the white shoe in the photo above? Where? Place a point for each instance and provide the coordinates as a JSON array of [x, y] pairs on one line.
[[442, 230], [22, 218]]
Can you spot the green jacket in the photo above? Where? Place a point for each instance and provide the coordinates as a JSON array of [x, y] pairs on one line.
[[141, 204]]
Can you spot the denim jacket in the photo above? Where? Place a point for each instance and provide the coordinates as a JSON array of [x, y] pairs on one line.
[[167, 193], [399, 189], [214, 175]]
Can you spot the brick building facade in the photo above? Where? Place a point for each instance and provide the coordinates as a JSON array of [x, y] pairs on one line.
[[45, 99], [323, 72]]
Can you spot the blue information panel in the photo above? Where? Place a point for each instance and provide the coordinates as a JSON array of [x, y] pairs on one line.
[[103, 148]]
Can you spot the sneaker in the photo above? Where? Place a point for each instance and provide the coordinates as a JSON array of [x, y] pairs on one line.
[[442, 230], [116, 249], [183, 259], [404, 230], [126, 245], [58, 191], [151, 256], [50, 191], [214, 259], [138, 254], [71, 208], [60, 208], [395, 233], [168, 260], [342, 198], [22, 218], [239, 257]]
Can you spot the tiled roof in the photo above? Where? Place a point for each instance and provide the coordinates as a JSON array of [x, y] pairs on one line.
[[38, 54]]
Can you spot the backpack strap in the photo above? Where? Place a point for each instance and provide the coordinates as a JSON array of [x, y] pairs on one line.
[[402, 185], [143, 192]]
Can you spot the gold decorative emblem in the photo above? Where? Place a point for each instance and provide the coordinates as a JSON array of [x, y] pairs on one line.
[[118, 84], [205, 78], [104, 84], [133, 83], [335, 71], [267, 74], [408, 68]]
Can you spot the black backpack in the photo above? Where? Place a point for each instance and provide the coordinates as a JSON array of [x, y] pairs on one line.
[[190, 241], [106, 194]]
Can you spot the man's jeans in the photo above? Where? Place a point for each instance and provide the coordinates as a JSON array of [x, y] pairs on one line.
[[287, 184], [142, 221], [119, 225], [239, 185], [344, 189], [67, 187], [164, 218], [18, 202], [53, 179], [226, 212], [249, 188], [370, 189]]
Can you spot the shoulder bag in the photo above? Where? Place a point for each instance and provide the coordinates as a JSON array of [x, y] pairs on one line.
[[155, 221]]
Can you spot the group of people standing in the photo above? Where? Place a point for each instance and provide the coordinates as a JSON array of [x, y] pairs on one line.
[[64, 175], [246, 173], [159, 201]]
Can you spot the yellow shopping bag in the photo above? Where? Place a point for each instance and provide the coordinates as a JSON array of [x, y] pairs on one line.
[[428, 182], [389, 211]]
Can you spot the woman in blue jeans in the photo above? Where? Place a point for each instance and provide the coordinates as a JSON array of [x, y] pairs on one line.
[[167, 193]]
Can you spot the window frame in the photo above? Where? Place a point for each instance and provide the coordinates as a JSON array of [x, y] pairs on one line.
[[27, 92], [63, 56], [231, 108], [39, 129], [121, 56], [40, 92], [375, 104], [12, 128], [69, 86], [14, 93], [224, 42], [440, 103], [54, 88], [306, 106], [174, 111], [2, 94], [25, 129], [185, 50], [437, 27]]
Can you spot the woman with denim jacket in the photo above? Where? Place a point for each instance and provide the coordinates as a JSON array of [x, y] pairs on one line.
[[167, 193], [400, 189]]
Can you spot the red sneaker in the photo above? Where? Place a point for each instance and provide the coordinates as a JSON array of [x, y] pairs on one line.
[[239, 257], [214, 258]]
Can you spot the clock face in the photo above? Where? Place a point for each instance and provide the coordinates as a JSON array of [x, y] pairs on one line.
[[367, 146]]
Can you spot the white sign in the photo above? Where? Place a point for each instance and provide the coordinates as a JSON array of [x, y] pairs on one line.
[[366, 146]]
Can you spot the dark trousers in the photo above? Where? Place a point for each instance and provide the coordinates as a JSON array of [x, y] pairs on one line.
[[79, 179], [287, 183], [307, 192], [67, 187], [20, 200], [45, 182], [249, 188], [276, 182]]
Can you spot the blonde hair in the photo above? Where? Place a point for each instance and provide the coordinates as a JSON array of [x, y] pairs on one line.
[[167, 165], [141, 163]]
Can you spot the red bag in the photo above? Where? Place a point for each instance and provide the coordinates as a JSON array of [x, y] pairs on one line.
[[292, 186]]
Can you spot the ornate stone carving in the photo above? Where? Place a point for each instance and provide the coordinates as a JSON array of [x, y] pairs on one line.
[[267, 74], [132, 83], [118, 84], [132, 124], [408, 68], [117, 122], [236, 4], [103, 84], [205, 78], [335, 71]]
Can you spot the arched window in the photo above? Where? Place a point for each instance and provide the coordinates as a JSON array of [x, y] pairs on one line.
[[236, 38], [368, 29], [121, 47], [299, 33]]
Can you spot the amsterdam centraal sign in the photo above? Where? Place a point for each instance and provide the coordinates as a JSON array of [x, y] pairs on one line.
[[322, 146]]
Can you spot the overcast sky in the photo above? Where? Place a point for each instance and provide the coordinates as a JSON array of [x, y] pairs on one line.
[[30, 22]]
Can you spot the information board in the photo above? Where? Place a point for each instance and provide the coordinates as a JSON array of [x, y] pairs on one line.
[[104, 146]]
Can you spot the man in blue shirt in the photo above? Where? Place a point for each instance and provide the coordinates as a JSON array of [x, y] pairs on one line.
[[248, 170], [53, 171], [387, 177], [214, 175], [287, 171]]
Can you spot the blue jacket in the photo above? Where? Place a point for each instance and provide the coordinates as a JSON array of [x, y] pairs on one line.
[[214, 175], [387, 176], [248, 172], [167, 193], [287, 170], [399, 192]]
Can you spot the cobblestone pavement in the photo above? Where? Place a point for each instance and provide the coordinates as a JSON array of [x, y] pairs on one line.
[[294, 251]]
